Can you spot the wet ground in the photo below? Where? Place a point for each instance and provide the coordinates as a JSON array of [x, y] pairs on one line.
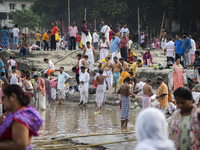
[[72, 120]]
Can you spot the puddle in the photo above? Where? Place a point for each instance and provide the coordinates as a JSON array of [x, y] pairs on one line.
[[72, 120]]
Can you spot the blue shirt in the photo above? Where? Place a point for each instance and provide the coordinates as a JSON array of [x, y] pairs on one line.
[[186, 44], [61, 80], [178, 44], [1, 65], [114, 44]]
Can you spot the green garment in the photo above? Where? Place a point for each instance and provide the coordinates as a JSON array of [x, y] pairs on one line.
[[196, 86]]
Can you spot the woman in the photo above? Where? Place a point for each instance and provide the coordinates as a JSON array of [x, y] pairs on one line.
[[183, 127], [178, 75], [22, 122], [54, 30], [1, 66], [130, 57], [147, 56], [4, 38], [29, 89], [151, 131]]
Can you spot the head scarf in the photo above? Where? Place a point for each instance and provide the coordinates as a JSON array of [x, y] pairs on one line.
[[151, 131]]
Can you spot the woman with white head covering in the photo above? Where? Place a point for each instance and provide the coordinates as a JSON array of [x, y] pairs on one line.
[[151, 131]]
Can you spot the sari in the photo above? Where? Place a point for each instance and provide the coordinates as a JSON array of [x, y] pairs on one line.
[[178, 77], [130, 58], [147, 56], [124, 75]]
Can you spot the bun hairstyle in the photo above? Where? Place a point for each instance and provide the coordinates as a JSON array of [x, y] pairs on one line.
[[23, 99]]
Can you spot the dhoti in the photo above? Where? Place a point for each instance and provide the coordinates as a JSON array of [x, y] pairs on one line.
[[53, 93], [103, 54], [110, 79], [83, 96], [125, 107], [85, 38], [99, 95], [146, 101], [41, 101], [114, 54], [163, 43], [90, 63]]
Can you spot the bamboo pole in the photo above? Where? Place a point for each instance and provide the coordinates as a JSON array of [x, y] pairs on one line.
[[162, 26], [85, 14], [95, 23], [138, 28]]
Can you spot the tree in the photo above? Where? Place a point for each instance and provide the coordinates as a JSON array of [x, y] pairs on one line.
[[25, 18]]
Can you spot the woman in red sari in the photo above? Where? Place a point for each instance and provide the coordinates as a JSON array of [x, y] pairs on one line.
[[130, 57]]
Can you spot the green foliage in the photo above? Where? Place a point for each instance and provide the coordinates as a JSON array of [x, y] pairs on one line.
[[25, 18]]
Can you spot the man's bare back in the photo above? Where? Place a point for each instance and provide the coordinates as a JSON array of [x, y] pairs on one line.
[[125, 65], [125, 90], [147, 90], [117, 67], [100, 79], [107, 66]]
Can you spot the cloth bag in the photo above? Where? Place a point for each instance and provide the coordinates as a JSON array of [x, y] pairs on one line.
[[56, 37]]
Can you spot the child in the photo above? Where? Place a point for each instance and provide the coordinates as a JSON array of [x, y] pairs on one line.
[[133, 79], [62, 45], [130, 57]]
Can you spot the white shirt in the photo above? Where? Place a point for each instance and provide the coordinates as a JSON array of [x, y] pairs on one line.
[[95, 37], [193, 49], [85, 77], [106, 29], [142, 38], [15, 31], [50, 65], [169, 46], [124, 30], [11, 63]]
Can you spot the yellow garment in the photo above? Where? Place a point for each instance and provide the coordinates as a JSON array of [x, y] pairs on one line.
[[163, 100], [45, 37], [37, 36], [56, 36], [124, 75], [134, 68]]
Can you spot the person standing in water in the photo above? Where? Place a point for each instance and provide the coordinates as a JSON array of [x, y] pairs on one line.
[[147, 93]]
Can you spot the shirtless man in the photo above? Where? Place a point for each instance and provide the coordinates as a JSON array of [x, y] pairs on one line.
[[124, 64], [147, 93], [163, 39], [133, 79], [83, 62], [125, 91], [108, 71], [100, 89], [116, 67]]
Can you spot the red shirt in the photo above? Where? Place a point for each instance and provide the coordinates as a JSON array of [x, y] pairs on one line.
[[122, 45], [110, 32], [53, 31], [78, 39]]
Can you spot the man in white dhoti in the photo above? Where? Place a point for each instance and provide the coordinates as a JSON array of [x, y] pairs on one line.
[[105, 31], [114, 46], [84, 79], [100, 89], [163, 39], [84, 34], [108, 71], [103, 47], [11, 63], [41, 101]]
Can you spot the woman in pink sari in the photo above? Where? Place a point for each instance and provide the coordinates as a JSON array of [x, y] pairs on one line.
[[178, 75]]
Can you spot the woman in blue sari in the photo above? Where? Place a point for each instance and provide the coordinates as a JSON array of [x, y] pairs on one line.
[[4, 38]]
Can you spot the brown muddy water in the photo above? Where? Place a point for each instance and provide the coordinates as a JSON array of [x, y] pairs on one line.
[[73, 120]]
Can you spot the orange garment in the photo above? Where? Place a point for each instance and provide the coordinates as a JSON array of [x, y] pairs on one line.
[[49, 72], [178, 77], [45, 37], [124, 75], [54, 30], [163, 100], [170, 100]]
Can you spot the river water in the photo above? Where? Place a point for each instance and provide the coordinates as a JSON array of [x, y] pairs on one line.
[[73, 120]]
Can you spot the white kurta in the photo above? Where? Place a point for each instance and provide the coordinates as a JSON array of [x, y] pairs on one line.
[[83, 87], [41, 101], [85, 38], [104, 51], [106, 29]]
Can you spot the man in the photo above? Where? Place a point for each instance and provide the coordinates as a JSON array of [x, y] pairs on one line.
[[50, 66], [38, 38], [77, 67], [24, 49], [135, 40], [100, 89], [163, 39], [3, 78], [108, 71], [134, 80], [114, 46], [101, 25], [83, 86], [192, 50], [41, 102], [73, 32], [47, 89], [125, 91], [62, 79], [123, 46], [162, 96], [186, 45], [95, 39], [116, 68], [124, 29], [33, 73], [134, 67], [84, 34], [124, 64], [147, 93], [83, 62], [11, 63], [105, 31], [169, 49], [177, 47], [46, 36], [142, 40], [14, 78], [16, 35], [90, 52], [103, 47]]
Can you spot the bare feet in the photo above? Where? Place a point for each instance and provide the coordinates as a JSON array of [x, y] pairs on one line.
[[62, 103], [54, 100], [80, 103], [59, 103]]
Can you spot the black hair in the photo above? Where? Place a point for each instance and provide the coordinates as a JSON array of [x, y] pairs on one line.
[[79, 55], [87, 42], [38, 31], [115, 57], [139, 60], [149, 80], [159, 78], [33, 69], [48, 31], [83, 67], [113, 33], [193, 82], [127, 79], [131, 73], [11, 57], [129, 49], [2, 73], [86, 56], [4, 27], [197, 52], [105, 22], [100, 71], [186, 33], [124, 32], [199, 116], [84, 21], [184, 93], [46, 59], [35, 76], [23, 70], [13, 67], [23, 99], [16, 25], [46, 75], [62, 68], [27, 76], [108, 57], [121, 59]]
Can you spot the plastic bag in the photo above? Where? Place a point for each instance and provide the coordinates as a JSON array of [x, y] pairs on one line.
[[56, 37], [141, 85]]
